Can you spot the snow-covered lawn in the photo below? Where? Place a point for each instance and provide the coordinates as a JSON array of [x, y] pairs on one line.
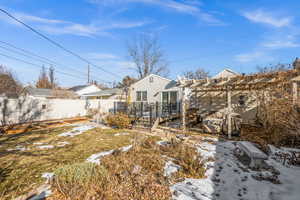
[[228, 179], [79, 129]]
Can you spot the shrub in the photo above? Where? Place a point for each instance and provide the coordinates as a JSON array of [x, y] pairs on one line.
[[277, 119], [118, 120], [192, 164], [79, 180]]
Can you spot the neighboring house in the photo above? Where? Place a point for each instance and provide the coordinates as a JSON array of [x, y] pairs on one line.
[[84, 89], [154, 88], [114, 93], [226, 73], [42, 93], [39, 93]]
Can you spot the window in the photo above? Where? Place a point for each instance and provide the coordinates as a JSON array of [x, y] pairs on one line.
[[242, 100], [138, 96], [44, 106], [141, 96], [165, 97], [151, 79], [173, 97], [144, 96], [169, 97]]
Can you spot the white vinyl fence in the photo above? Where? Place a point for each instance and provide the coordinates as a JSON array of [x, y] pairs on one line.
[[27, 109]]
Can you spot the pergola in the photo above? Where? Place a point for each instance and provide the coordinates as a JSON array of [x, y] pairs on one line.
[[253, 82]]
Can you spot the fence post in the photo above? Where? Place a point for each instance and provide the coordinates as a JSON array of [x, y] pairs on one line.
[[156, 109], [134, 104], [183, 110], [142, 107], [150, 116], [114, 107], [295, 92], [229, 110]]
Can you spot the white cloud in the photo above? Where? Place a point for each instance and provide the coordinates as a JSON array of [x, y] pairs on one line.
[[61, 27], [278, 44], [264, 17], [190, 7], [249, 57]]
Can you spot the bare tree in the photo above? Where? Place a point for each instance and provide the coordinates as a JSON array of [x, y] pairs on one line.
[[198, 74], [52, 77], [43, 80], [146, 53], [9, 85], [273, 68], [126, 82]]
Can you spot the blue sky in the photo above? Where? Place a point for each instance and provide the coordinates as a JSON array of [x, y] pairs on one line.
[[212, 34]]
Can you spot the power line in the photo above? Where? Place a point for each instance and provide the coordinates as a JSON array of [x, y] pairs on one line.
[[39, 66], [56, 43], [33, 56]]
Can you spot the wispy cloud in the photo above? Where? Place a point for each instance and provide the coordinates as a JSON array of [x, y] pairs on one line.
[[249, 57], [279, 44], [190, 7], [63, 27], [111, 60], [269, 18]]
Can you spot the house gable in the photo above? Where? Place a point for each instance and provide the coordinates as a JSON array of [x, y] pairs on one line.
[[226, 73], [80, 90], [153, 85]]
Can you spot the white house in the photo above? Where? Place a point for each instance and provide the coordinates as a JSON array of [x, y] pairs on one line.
[[154, 88], [84, 89], [113, 93], [226, 73]]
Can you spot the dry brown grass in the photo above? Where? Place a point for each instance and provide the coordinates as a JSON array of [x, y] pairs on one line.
[[136, 174], [20, 171]]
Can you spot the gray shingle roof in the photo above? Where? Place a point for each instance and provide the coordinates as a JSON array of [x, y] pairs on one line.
[[78, 87], [107, 92], [39, 92]]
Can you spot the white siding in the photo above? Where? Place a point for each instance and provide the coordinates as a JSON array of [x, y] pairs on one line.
[[154, 88]]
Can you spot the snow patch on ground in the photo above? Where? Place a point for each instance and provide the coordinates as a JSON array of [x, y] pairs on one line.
[[96, 158], [45, 147], [38, 143], [121, 134], [48, 175], [228, 179], [62, 144], [170, 168], [43, 192], [77, 130], [162, 142], [18, 148]]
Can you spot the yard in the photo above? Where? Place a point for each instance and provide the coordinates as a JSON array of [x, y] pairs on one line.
[[94, 163], [25, 157]]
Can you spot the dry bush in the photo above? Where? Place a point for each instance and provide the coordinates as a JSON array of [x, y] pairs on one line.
[[118, 120], [191, 162], [81, 181], [278, 118]]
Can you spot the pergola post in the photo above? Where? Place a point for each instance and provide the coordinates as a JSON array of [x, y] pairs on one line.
[[295, 92], [183, 104], [229, 110]]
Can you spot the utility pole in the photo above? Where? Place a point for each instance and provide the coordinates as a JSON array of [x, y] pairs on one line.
[[88, 74]]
